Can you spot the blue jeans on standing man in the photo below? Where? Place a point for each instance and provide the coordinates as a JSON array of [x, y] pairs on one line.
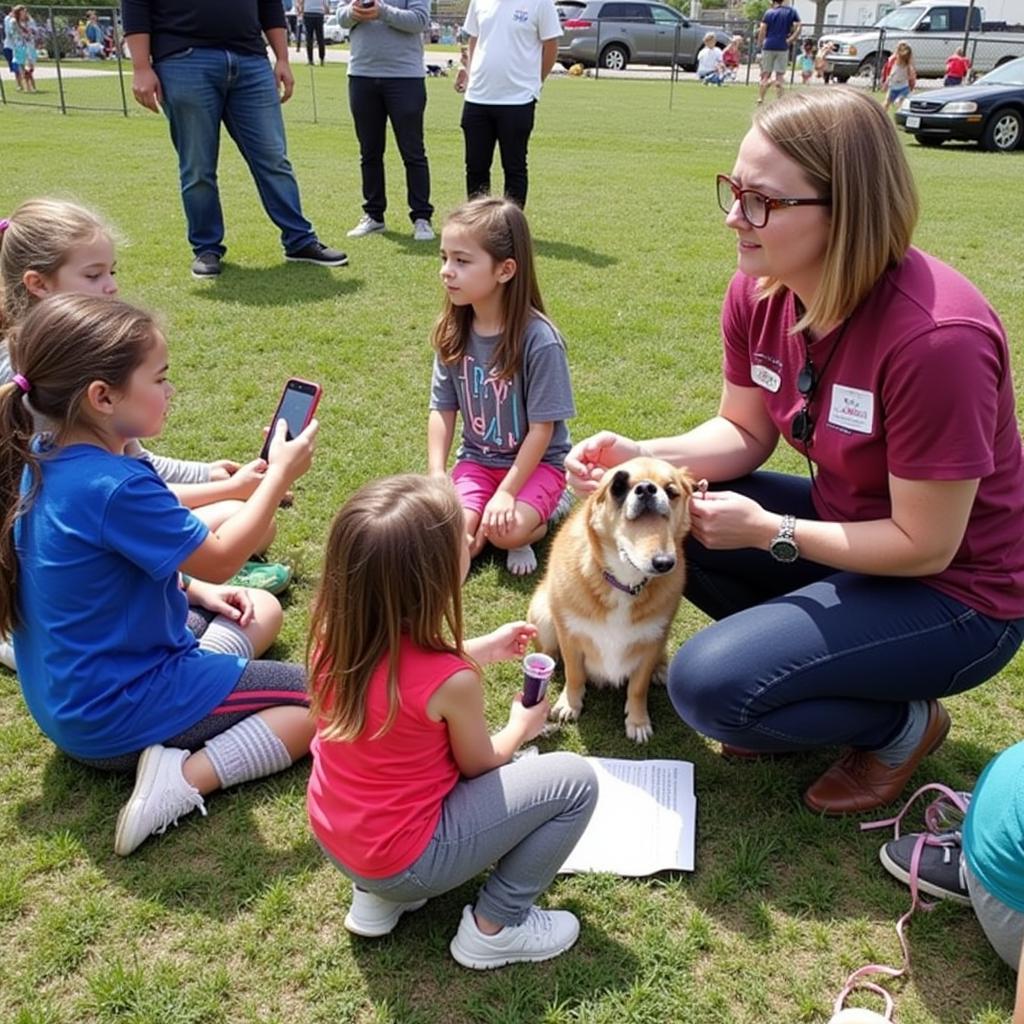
[[803, 656], [203, 87]]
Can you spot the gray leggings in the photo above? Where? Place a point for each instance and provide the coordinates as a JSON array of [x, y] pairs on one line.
[[527, 816], [1003, 926]]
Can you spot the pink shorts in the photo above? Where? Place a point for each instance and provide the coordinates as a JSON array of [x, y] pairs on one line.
[[476, 485]]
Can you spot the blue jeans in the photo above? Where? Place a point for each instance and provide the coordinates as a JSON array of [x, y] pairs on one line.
[[203, 87], [803, 656]]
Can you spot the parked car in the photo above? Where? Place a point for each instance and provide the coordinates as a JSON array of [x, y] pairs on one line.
[[334, 32], [933, 32], [615, 33], [991, 111]]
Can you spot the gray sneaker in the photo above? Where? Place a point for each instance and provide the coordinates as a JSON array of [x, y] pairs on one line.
[[543, 935], [205, 265], [366, 226], [940, 869], [422, 231]]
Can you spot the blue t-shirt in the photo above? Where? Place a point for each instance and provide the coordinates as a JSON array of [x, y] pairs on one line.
[[106, 661], [779, 22], [994, 829]]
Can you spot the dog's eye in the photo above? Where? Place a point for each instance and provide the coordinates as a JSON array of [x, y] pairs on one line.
[[672, 491]]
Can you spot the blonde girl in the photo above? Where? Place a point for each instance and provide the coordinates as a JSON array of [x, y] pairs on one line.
[[52, 246], [92, 548], [410, 795], [501, 364], [899, 76]]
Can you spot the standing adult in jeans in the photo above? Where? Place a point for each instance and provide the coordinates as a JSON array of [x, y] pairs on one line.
[[386, 82], [849, 599], [779, 27], [313, 13], [512, 49], [204, 64]]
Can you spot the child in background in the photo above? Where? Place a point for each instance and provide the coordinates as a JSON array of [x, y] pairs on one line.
[[51, 246], [957, 67], [821, 61], [25, 54], [899, 76], [806, 61], [92, 549], [710, 67], [410, 796], [501, 363], [9, 33], [731, 57]]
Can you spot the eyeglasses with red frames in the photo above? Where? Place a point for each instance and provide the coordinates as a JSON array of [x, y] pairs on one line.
[[755, 206]]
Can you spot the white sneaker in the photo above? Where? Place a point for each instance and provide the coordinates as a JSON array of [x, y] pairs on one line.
[[366, 226], [422, 231], [371, 916], [543, 935], [161, 796], [7, 654]]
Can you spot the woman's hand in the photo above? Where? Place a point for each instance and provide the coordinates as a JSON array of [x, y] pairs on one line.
[[499, 514], [528, 722], [234, 603], [587, 461], [506, 643], [725, 520]]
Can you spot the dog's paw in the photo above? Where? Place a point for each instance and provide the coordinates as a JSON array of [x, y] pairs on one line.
[[639, 732], [564, 710]]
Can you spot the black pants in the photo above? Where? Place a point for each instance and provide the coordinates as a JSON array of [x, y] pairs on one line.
[[509, 125], [314, 24], [373, 102]]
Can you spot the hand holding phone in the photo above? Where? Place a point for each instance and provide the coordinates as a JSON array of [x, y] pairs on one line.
[[296, 408]]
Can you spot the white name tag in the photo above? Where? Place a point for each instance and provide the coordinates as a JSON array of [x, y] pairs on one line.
[[852, 409], [767, 379]]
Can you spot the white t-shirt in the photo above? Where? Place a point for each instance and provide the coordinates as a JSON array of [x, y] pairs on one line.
[[708, 60], [506, 57]]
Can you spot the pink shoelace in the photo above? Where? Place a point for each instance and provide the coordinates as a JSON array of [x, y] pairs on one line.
[[943, 814]]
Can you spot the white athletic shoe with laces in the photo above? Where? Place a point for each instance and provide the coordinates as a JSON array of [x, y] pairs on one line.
[[161, 796], [366, 226], [543, 935], [371, 916], [422, 231]]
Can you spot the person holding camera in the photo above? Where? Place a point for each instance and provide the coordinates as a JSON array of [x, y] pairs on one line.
[[386, 82]]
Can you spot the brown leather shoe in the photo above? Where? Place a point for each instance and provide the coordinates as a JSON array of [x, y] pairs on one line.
[[859, 781]]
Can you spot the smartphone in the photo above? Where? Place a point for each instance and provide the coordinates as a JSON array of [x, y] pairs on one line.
[[366, 3], [297, 405]]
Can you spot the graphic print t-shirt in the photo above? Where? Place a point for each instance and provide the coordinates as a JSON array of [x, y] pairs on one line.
[[497, 413]]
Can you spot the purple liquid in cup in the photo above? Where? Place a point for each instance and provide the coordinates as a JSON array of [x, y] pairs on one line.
[[537, 669]]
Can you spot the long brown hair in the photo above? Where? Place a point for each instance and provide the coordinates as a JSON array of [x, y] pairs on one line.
[[41, 235], [392, 568], [848, 149], [499, 227], [62, 346]]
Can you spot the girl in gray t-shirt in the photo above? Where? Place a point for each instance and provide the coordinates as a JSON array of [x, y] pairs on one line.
[[501, 364]]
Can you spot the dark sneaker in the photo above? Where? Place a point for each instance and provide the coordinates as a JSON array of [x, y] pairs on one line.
[[317, 252], [206, 264], [939, 871]]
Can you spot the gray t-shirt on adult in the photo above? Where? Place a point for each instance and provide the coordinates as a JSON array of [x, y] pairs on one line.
[[390, 45], [497, 413]]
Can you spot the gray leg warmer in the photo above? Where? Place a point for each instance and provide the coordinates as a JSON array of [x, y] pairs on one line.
[[247, 751], [225, 637]]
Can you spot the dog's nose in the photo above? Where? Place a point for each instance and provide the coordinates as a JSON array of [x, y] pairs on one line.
[[663, 563], [645, 489]]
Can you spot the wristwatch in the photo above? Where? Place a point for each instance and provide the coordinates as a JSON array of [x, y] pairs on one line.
[[783, 547]]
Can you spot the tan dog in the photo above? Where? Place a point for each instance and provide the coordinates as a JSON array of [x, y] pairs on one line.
[[614, 580]]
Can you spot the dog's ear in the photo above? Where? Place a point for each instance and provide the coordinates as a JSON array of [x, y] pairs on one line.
[[619, 486], [684, 481]]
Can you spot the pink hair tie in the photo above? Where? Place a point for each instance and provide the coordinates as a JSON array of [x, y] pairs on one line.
[[4, 225], [22, 382]]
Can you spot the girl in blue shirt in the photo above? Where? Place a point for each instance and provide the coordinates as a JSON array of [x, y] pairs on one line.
[[116, 667]]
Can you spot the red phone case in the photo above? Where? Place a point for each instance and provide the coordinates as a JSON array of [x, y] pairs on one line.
[[314, 395]]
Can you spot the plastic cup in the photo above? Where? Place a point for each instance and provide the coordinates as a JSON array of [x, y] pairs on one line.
[[537, 669]]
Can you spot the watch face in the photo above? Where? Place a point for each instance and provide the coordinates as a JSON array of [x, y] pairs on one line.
[[783, 550]]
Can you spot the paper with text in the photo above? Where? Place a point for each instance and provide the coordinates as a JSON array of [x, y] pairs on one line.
[[645, 820]]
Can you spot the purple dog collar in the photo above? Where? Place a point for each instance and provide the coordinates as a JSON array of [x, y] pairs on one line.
[[619, 585]]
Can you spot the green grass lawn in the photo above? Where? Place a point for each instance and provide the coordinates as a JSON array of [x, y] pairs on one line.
[[237, 917]]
